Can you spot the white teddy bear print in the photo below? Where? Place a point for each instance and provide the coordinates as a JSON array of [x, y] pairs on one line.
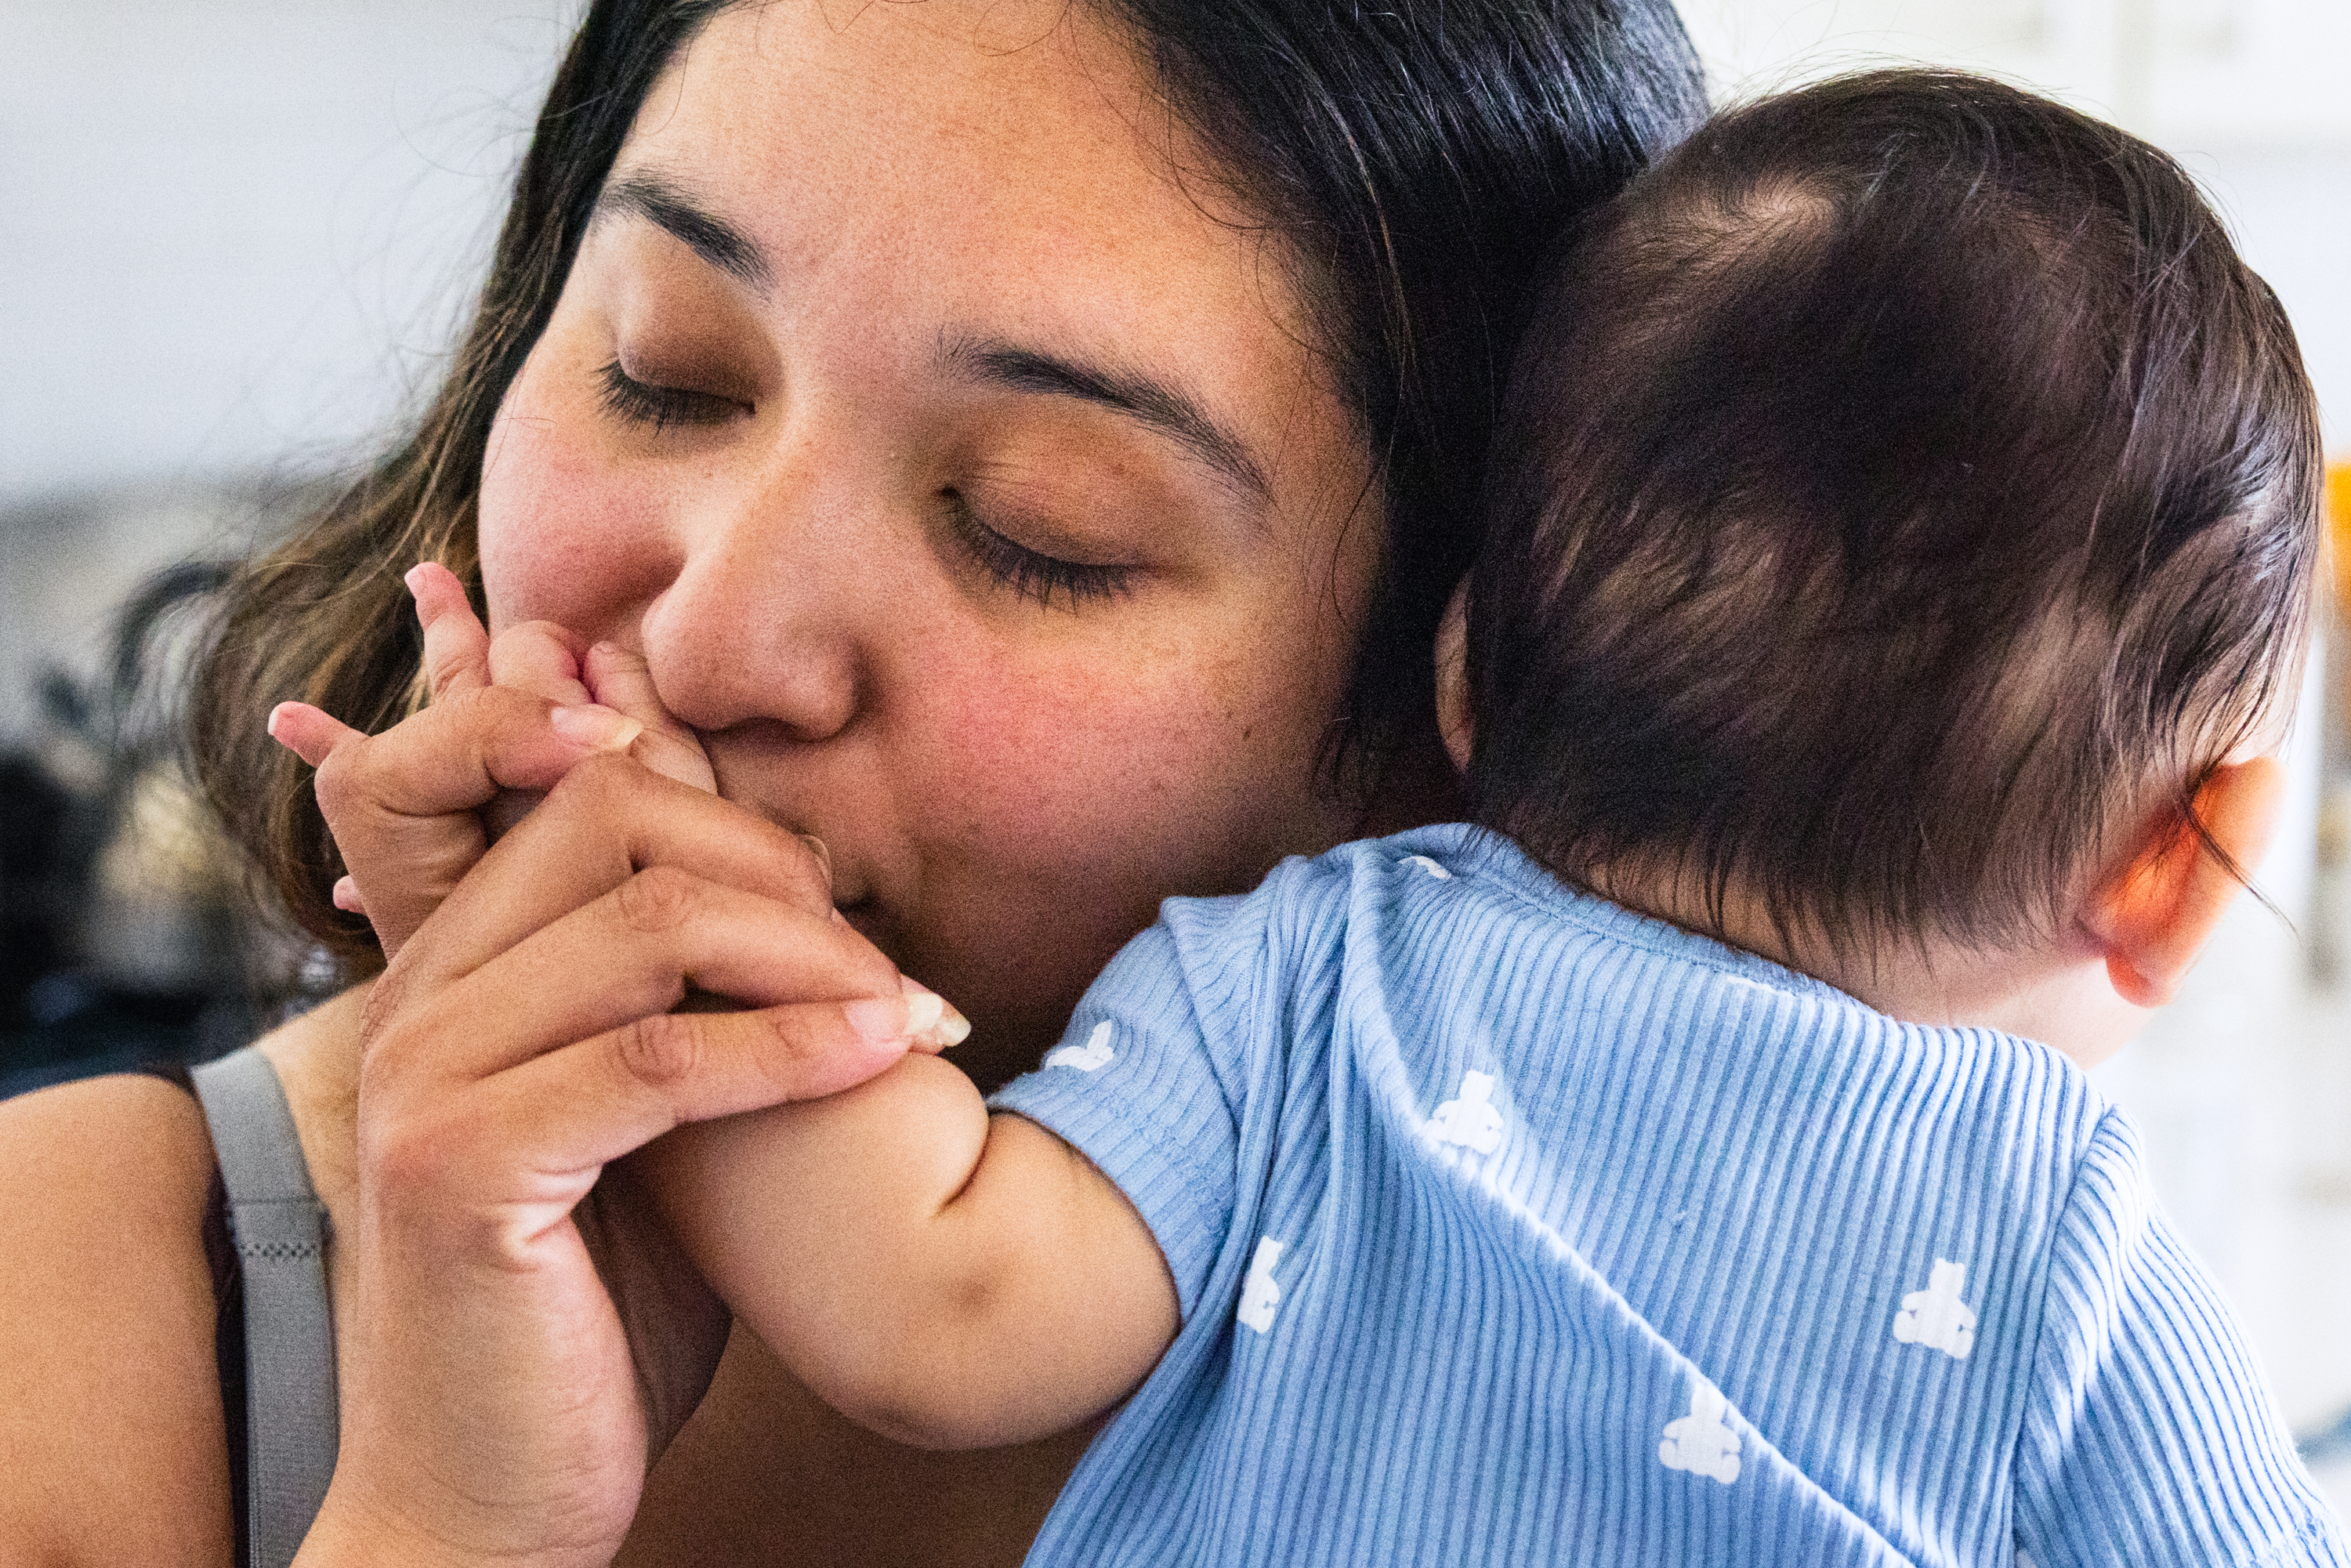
[[1261, 1296], [1700, 1442], [1472, 1121], [1090, 1057], [1936, 1317]]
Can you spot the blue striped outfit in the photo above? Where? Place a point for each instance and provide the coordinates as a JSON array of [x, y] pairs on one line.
[[1510, 1226]]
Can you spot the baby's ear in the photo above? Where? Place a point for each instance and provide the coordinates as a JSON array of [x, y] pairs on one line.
[[1453, 720], [2156, 913]]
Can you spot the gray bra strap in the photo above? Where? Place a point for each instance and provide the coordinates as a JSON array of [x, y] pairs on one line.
[[292, 1422]]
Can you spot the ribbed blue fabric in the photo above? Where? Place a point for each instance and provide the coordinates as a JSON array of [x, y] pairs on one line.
[[1590, 1241]]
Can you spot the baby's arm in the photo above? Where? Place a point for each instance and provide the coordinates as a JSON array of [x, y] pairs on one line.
[[947, 1278]]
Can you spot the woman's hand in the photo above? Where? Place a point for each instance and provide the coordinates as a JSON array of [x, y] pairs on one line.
[[413, 808], [520, 1039]]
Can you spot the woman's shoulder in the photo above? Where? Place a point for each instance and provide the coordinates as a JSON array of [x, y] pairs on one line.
[[111, 1431]]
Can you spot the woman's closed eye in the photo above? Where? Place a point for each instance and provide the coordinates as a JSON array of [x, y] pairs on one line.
[[642, 402], [1032, 573]]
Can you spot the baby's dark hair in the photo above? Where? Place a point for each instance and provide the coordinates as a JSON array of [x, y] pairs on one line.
[[1905, 493]]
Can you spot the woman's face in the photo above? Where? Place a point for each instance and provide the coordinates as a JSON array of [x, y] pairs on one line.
[[967, 485]]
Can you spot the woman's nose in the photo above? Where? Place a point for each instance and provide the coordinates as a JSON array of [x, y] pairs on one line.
[[760, 621]]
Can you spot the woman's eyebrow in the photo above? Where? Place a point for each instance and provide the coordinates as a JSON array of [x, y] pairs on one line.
[[672, 209], [1146, 399]]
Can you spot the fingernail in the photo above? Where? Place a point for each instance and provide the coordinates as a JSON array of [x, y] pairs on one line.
[[823, 855], [886, 1018], [596, 727], [953, 1029], [923, 1011], [409, 577], [948, 1028], [274, 715]]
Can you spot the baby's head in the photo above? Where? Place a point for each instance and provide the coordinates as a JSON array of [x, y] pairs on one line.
[[1907, 508]]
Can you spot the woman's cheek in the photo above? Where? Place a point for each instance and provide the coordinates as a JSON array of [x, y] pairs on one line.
[[1049, 841], [566, 535], [1178, 763]]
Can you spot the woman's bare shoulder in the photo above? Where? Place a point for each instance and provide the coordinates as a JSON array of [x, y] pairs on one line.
[[110, 1425], [111, 1430]]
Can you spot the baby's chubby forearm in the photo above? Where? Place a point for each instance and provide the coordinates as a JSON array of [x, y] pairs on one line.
[[947, 1277]]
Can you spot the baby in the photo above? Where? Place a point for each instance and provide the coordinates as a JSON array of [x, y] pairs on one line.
[[1901, 543]]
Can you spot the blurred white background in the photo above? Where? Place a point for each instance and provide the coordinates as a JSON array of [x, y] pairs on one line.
[[236, 235], [238, 229]]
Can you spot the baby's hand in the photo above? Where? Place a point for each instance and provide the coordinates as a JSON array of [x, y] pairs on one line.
[[413, 808]]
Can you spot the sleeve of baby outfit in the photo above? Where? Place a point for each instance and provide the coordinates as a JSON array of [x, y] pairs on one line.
[[1142, 1086], [2150, 1437]]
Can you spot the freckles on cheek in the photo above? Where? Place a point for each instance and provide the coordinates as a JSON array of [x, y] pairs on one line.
[[1077, 768], [1041, 749]]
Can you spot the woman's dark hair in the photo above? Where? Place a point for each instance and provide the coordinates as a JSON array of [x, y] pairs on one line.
[[1906, 493], [1414, 157]]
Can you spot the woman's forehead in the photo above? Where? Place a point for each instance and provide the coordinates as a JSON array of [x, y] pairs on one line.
[[957, 172], [900, 130]]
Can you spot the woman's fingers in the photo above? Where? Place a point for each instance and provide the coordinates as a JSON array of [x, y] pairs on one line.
[[457, 755], [543, 659], [563, 1115], [457, 648], [402, 805], [609, 817], [620, 679], [633, 953]]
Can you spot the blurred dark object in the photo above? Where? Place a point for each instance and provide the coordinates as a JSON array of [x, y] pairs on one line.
[[125, 932], [33, 875], [2328, 1445]]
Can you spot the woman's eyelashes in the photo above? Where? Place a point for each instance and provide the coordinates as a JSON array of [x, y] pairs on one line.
[[642, 403], [1029, 573]]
